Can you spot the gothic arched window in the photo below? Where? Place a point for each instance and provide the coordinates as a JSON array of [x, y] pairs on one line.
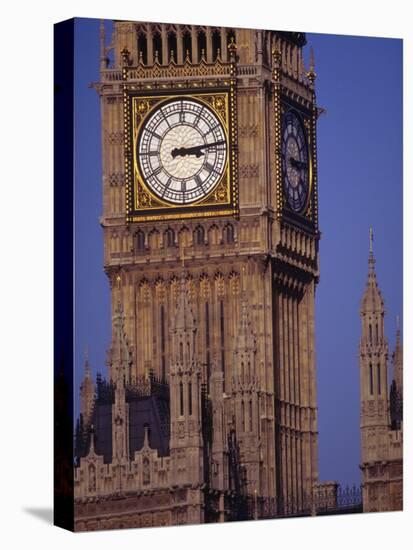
[[169, 238], [201, 44], [143, 48], [187, 44], [199, 235], [190, 398], [146, 472], [92, 478], [181, 399], [140, 240], [378, 379], [229, 233], [371, 379], [157, 46], [172, 44], [216, 43]]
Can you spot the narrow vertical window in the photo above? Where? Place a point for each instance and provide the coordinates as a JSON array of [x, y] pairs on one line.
[[216, 44], [190, 398], [221, 308], [142, 49], [208, 366], [377, 332], [250, 417], [181, 352], [201, 44], [187, 45], [370, 333], [371, 379], [172, 47], [243, 416], [181, 399], [157, 47], [378, 380], [163, 368]]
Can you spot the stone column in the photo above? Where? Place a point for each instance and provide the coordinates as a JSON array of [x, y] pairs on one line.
[[194, 42], [179, 45], [149, 42], [224, 49]]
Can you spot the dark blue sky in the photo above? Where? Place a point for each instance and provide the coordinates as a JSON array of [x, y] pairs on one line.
[[359, 84]]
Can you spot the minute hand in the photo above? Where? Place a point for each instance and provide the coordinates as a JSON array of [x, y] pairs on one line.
[[197, 150]]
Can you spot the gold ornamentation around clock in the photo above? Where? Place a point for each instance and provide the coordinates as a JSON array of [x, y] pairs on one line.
[[180, 153]]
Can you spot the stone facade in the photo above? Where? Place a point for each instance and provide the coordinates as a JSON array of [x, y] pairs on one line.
[[232, 333], [381, 420]]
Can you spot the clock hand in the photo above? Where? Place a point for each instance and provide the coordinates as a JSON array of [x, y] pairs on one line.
[[197, 150], [297, 163]]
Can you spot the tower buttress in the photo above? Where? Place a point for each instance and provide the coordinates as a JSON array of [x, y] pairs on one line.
[[374, 420], [396, 388], [186, 442], [397, 361], [219, 439], [87, 393], [246, 395], [120, 366]]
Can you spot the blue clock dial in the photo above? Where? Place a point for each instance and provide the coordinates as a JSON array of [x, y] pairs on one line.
[[295, 162]]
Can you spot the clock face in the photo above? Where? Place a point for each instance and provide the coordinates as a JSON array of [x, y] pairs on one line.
[[295, 162], [182, 151]]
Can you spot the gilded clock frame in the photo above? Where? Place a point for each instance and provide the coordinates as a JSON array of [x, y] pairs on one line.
[[141, 203]]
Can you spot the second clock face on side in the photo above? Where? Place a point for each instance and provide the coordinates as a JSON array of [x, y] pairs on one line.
[[182, 151], [295, 162]]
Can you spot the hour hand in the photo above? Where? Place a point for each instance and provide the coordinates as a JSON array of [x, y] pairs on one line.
[[297, 163], [197, 150], [183, 151]]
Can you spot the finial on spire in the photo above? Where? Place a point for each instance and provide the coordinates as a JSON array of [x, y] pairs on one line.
[[311, 75], [371, 240], [86, 364], [102, 40], [312, 60]]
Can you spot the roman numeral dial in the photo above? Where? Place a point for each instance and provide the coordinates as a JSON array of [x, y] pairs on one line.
[[295, 161], [182, 151]]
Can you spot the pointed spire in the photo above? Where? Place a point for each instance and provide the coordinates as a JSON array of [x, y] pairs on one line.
[[102, 38], [86, 366], [312, 60], [311, 75], [372, 300]]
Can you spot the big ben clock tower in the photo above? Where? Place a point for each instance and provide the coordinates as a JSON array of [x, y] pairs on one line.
[[210, 189]]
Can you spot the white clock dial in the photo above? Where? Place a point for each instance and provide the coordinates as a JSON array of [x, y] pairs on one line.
[[182, 151]]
